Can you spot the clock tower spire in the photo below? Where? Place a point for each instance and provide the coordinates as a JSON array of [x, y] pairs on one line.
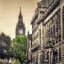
[[20, 27], [20, 15]]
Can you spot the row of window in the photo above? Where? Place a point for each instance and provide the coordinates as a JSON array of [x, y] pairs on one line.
[[55, 58], [45, 57], [53, 29]]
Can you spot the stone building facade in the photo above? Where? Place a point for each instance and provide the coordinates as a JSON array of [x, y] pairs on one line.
[[37, 35], [48, 33], [35, 44], [53, 33]]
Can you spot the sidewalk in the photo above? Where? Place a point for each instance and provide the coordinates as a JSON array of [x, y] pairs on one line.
[[4, 61]]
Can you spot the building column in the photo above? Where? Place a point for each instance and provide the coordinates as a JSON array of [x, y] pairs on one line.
[[51, 53], [61, 20], [50, 56], [38, 59]]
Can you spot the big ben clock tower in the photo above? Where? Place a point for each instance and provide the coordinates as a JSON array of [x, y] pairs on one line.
[[20, 27]]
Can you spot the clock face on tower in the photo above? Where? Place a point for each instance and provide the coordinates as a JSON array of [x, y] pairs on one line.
[[20, 31]]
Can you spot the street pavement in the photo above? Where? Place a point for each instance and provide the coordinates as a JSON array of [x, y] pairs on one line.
[[4, 61]]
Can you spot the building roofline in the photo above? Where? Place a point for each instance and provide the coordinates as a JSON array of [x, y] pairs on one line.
[[34, 17]]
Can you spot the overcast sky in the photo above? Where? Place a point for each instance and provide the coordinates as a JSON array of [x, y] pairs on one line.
[[9, 12]]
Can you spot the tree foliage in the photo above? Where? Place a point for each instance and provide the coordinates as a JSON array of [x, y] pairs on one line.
[[18, 47], [4, 45]]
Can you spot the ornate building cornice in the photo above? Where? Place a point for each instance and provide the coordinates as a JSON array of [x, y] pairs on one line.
[[35, 15], [49, 10]]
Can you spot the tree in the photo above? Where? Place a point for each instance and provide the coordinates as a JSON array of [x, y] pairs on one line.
[[4, 45], [18, 47]]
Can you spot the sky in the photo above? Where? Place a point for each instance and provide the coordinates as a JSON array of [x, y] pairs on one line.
[[9, 12]]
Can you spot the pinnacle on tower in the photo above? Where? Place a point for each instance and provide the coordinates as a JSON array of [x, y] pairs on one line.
[[20, 15], [20, 10]]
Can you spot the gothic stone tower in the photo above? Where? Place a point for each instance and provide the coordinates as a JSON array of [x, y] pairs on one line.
[[20, 27]]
